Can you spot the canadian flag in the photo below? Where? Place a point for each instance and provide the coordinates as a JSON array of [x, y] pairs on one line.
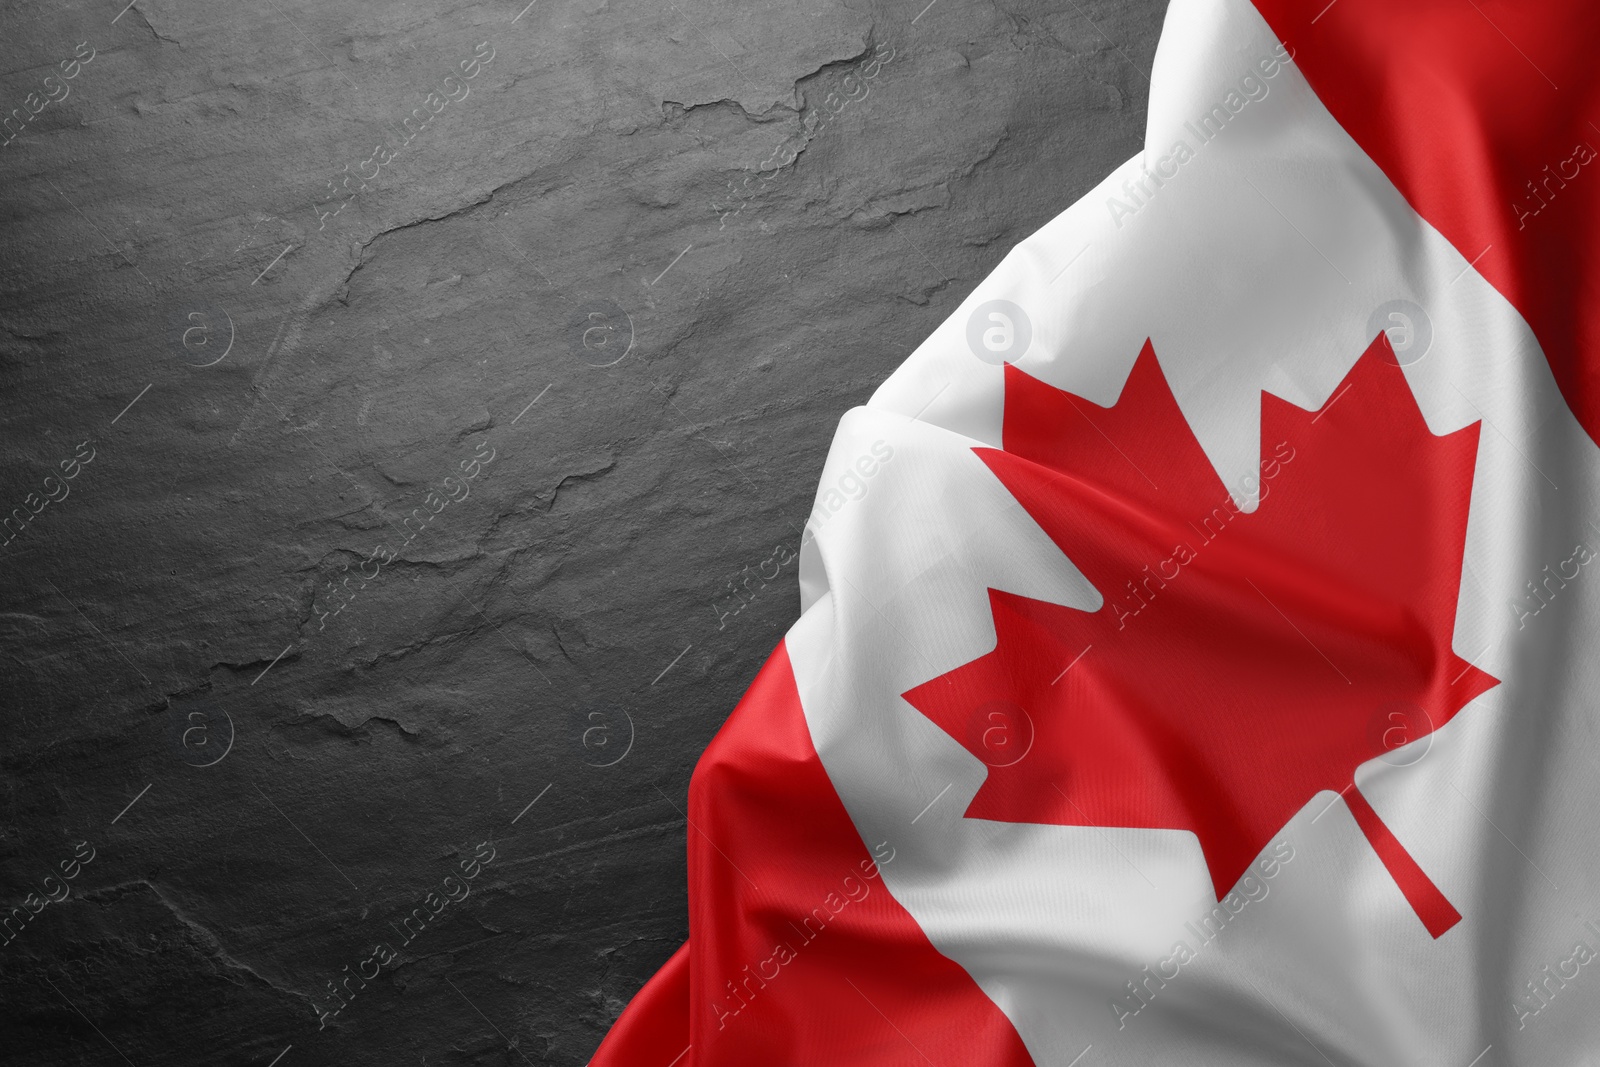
[[1197, 661]]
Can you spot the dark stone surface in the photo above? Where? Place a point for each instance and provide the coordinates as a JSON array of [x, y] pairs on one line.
[[564, 631]]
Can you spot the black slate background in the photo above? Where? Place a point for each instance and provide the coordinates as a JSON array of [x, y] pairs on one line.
[[268, 791]]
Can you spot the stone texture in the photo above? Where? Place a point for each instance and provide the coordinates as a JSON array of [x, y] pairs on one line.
[[644, 258]]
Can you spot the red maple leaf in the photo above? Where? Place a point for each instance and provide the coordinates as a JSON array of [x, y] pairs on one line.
[[1240, 662]]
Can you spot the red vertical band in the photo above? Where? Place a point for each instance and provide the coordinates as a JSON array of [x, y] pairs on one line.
[[1485, 114], [798, 953]]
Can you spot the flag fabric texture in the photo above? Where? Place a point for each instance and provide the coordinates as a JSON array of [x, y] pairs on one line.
[[1196, 662]]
